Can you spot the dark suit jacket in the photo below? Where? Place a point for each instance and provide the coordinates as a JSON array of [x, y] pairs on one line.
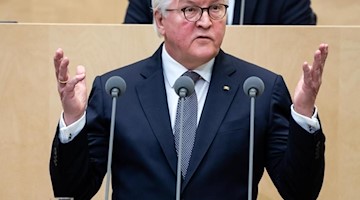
[[257, 12], [144, 157]]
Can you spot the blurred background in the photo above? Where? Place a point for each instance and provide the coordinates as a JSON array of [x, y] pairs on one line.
[[329, 12]]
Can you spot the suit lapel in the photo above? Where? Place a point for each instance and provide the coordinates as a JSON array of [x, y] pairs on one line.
[[152, 96], [221, 92]]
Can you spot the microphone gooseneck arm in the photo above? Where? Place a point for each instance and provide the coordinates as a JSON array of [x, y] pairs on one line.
[[253, 87], [251, 146], [114, 86], [178, 170], [111, 142], [184, 86]]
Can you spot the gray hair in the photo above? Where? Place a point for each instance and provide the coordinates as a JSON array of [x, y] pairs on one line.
[[161, 6]]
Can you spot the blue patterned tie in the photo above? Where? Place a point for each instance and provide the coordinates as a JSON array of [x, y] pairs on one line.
[[189, 124]]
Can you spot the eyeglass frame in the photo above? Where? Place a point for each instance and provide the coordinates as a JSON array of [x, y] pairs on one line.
[[202, 11]]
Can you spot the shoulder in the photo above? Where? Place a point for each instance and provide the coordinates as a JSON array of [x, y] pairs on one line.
[[243, 66], [138, 70], [239, 70]]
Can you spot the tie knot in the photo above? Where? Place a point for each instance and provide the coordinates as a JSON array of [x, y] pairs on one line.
[[193, 75]]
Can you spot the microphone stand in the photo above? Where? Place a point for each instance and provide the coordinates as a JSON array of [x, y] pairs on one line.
[[253, 86], [252, 94], [114, 94], [182, 94]]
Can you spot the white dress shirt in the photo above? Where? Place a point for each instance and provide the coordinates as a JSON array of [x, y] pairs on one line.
[[172, 71]]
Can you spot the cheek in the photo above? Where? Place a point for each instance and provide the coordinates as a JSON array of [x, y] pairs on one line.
[[219, 34], [219, 40], [180, 36]]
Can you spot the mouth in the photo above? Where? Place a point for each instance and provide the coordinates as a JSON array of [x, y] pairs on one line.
[[203, 37]]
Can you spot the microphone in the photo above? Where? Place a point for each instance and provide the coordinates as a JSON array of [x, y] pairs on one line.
[[114, 86], [184, 86], [253, 87]]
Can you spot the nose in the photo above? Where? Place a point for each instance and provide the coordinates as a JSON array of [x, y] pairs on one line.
[[205, 20]]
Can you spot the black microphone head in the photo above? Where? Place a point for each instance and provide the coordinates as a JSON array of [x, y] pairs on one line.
[[253, 82], [184, 86], [115, 82]]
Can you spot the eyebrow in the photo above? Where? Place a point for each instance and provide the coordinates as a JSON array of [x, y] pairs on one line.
[[194, 3]]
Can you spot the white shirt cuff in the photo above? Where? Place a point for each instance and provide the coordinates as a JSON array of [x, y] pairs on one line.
[[68, 133], [311, 125]]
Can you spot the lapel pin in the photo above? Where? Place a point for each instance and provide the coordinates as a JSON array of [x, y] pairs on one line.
[[226, 88]]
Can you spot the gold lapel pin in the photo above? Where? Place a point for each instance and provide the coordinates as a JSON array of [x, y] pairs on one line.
[[226, 88]]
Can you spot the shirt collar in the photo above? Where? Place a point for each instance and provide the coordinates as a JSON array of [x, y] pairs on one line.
[[173, 70]]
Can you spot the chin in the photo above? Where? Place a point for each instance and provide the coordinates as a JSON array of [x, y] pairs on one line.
[[209, 52], [199, 59]]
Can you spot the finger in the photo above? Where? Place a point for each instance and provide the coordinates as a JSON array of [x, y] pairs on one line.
[[316, 69], [63, 74], [317, 59], [324, 48], [80, 73], [79, 77], [307, 77], [80, 70], [318, 64], [59, 54]]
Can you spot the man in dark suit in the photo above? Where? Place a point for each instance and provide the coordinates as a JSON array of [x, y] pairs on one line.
[[289, 141], [255, 12]]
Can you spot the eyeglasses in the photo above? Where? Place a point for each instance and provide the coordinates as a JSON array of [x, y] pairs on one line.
[[194, 13]]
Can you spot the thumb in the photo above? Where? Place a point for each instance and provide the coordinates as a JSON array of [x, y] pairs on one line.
[[80, 73], [306, 73]]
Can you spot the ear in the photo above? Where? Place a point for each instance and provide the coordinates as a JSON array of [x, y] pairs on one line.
[[158, 18]]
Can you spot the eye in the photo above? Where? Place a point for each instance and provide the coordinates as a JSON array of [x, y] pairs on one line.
[[191, 10], [215, 8]]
